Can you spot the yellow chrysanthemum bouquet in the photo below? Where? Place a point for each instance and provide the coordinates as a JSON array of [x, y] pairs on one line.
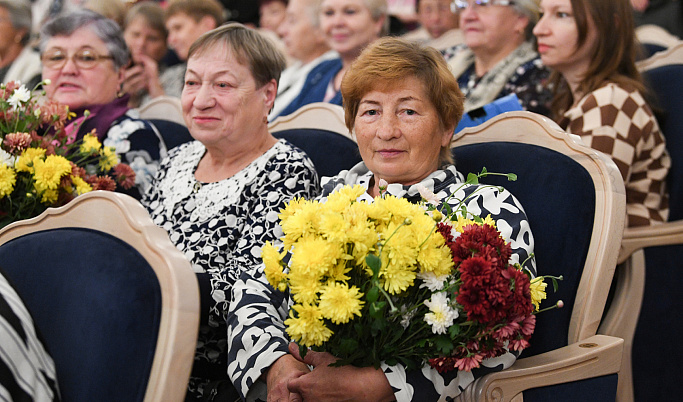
[[381, 282], [41, 163]]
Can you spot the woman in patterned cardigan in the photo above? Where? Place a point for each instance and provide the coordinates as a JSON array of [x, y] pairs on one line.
[[591, 46]]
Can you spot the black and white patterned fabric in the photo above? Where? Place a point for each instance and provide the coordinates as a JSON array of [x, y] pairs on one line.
[[220, 227], [27, 372], [256, 331]]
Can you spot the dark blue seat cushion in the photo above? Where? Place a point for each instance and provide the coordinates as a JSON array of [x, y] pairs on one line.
[[329, 151], [97, 303], [559, 198]]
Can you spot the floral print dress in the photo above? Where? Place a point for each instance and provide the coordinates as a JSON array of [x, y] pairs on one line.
[[220, 227], [256, 330]]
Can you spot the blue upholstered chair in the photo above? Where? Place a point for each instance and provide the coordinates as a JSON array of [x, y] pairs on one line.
[[650, 276], [319, 130], [575, 201], [116, 303]]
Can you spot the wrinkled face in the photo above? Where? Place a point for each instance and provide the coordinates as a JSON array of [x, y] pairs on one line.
[[348, 26], [558, 36], [301, 38], [141, 38], [271, 14], [75, 86], [220, 101], [436, 17], [489, 28], [183, 30], [399, 133]]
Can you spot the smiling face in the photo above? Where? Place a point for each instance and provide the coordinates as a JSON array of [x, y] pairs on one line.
[[77, 87], [348, 26], [494, 29], [399, 133], [220, 100], [304, 40], [558, 36]]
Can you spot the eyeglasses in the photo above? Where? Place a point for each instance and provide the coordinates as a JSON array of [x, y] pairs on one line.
[[460, 5], [84, 58]]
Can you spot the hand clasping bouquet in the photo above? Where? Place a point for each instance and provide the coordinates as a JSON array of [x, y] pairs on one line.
[[395, 282], [41, 163]]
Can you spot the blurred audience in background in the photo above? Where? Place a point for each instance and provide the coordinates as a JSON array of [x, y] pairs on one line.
[[18, 61], [271, 14], [305, 43], [349, 26], [438, 24], [499, 54]]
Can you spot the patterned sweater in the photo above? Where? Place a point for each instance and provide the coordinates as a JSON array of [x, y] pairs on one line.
[[618, 122]]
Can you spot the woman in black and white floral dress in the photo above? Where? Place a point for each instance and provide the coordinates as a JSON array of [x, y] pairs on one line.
[[219, 196], [403, 104]]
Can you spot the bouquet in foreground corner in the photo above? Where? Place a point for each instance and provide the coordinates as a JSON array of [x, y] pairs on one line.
[[395, 282], [41, 163]]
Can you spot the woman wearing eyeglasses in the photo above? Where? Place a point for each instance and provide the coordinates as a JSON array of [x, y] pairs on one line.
[[499, 56], [83, 55]]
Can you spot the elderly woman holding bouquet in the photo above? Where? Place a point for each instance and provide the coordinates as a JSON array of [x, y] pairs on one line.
[[402, 103], [84, 55]]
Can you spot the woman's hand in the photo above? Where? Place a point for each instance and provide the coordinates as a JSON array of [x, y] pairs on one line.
[[345, 383], [143, 75], [280, 374]]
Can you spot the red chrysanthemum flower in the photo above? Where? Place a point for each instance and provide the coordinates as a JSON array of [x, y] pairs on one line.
[[102, 183], [125, 175], [17, 142]]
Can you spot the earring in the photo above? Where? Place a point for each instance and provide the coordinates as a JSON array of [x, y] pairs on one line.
[[265, 119]]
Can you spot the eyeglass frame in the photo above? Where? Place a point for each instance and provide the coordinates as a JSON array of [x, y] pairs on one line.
[[74, 57], [457, 5]]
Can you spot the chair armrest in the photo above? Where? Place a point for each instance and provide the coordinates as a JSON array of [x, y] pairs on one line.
[[593, 357], [648, 236]]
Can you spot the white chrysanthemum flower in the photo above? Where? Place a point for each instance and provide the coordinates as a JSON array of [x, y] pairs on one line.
[[431, 281], [19, 96], [441, 315], [407, 316], [7, 158]]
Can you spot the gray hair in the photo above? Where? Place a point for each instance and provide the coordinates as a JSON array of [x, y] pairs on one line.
[[107, 30], [250, 48], [531, 10], [20, 16]]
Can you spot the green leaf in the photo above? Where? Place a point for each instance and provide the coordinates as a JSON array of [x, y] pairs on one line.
[[377, 309], [374, 263], [512, 177], [454, 330], [444, 344], [372, 295], [472, 178]]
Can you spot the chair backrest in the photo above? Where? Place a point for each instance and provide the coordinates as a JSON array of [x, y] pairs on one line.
[[574, 198], [319, 130], [664, 76], [163, 107], [117, 304], [656, 35]]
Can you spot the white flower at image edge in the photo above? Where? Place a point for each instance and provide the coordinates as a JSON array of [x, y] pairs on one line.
[[19, 96], [7, 158], [441, 315], [431, 281]]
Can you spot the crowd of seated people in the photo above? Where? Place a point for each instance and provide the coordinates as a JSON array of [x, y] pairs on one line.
[[218, 196]]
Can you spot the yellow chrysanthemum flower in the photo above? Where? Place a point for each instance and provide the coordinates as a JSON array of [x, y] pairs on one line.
[[81, 186], [48, 173], [396, 278], [334, 227], [300, 223], [437, 260], [308, 328], [108, 159], [90, 144], [26, 160], [342, 199], [304, 286], [339, 303], [314, 254], [272, 268], [537, 287], [8, 178], [49, 196]]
